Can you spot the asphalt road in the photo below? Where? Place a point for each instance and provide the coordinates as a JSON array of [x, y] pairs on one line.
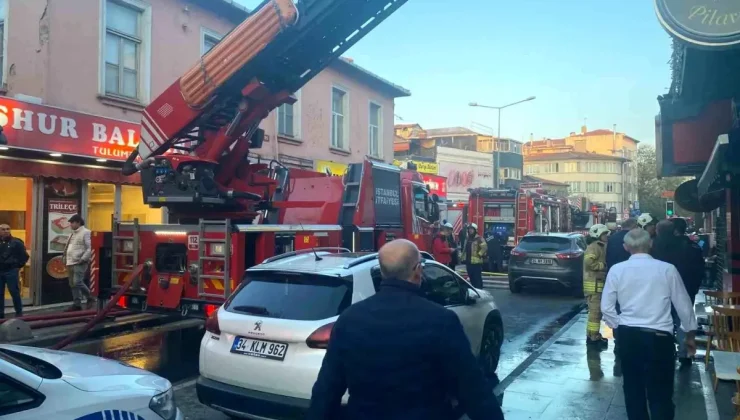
[[530, 319]]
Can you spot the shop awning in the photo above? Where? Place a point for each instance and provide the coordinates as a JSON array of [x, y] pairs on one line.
[[32, 167], [401, 147]]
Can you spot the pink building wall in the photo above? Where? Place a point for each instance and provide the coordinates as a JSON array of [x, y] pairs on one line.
[[53, 53]]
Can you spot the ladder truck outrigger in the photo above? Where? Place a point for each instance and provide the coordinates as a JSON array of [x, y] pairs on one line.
[[228, 209]]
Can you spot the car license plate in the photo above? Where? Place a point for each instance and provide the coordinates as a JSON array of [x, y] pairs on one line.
[[540, 261], [259, 348]]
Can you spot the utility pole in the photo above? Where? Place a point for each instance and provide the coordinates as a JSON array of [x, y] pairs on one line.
[[494, 152]]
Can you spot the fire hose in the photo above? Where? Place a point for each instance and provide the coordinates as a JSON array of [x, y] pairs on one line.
[[104, 312]]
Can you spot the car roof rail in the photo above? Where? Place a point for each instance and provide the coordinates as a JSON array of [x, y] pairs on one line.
[[339, 250], [361, 260]]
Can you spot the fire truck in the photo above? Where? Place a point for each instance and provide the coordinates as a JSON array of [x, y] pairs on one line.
[[228, 209], [515, 213]]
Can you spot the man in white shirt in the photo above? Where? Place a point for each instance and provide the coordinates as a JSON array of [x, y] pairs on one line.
[[645, 289]]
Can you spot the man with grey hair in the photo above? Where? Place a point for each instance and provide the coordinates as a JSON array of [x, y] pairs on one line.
[[645, 289], [400, 355]]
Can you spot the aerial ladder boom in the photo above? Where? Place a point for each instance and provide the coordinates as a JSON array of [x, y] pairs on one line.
[[196, 136]]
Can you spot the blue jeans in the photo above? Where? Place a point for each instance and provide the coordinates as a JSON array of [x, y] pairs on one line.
[[10, 279]]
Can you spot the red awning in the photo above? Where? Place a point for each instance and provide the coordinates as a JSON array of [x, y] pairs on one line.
[[31, 168], [400, 147]]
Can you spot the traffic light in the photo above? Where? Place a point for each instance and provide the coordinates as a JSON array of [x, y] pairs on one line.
[[669, 208]]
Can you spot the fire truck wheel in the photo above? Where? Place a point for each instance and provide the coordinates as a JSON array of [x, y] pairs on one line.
[[513, 287], [490, 346]]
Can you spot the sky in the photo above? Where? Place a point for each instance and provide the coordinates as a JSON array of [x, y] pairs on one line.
[[593, 61]]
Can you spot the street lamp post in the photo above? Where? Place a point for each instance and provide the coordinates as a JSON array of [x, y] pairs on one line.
[[495, 153]]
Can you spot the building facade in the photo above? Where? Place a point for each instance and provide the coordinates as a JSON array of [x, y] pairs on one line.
[[599, 142], [464, 169], [600, 178], [76, 76], [413, 142]]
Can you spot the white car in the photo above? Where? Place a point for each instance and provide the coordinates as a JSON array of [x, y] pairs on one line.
[[37, 383], [263, 349]]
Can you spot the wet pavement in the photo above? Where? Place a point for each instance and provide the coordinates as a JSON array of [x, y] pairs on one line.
[[567, 381]]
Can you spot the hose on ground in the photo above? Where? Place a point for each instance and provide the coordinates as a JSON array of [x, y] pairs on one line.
[[102, 314]]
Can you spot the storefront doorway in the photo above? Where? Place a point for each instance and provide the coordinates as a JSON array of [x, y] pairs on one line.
[[15, 210], [104, 201]]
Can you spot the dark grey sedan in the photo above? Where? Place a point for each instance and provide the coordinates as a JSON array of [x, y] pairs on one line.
[[555, 258]]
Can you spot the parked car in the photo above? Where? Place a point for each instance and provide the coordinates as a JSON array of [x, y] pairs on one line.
[[37, 383], [263, 348], [555, 258]]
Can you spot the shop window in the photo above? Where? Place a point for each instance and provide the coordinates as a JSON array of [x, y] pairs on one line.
[[133, 207], [100, 206], [15, 208]]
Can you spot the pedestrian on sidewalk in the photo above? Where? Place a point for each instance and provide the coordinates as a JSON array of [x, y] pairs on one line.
[[13, 257], [452, 243], [441, 249], [76, 257], [494, 244], [689, 261], [474, 252], [615, 254], [646, 288], [594, 273], [400, 355]]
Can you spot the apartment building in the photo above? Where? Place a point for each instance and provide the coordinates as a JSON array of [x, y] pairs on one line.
[[598, 177], [76, 75], [601, 142]]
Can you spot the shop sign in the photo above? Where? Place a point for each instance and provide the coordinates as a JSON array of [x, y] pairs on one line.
[[437, 184], [49, 129], [334, 168], [421, 166], [461, 177], [60, 211], [705, 23]]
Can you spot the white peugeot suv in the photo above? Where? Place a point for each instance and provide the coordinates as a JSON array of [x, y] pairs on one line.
[[263, 349]]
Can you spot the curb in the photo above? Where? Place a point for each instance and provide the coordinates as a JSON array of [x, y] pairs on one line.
[[501, 387]]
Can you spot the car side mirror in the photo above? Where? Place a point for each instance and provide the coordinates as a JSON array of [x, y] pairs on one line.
[[471, 298]]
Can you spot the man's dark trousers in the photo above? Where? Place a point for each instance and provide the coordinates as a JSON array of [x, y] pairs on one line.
[[10, 279], [647, 368], [475, 274]]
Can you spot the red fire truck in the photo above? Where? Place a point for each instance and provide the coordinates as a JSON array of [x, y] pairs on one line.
[[517, 212], [227, 209]]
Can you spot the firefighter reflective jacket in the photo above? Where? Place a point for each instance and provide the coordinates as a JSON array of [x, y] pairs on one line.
[[594, 268], [478, 250]]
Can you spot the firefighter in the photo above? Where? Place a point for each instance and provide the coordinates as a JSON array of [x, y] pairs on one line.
[[474, 251], [440, 246], [594, 276], [647, 222]]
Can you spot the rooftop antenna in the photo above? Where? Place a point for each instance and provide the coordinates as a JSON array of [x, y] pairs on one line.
[[315, 254]]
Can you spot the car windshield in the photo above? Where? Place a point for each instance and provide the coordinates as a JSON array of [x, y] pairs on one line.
[[297, 296], [544, 244]]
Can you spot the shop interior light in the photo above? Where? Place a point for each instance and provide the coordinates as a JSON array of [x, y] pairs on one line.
[[3, 147], [102, 160], [55, 154]]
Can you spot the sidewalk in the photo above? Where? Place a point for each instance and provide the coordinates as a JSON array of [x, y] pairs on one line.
[[567, 381]]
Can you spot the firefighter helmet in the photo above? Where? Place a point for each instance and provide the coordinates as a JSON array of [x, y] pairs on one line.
[[474, 226], [645, 219], [596, 231]]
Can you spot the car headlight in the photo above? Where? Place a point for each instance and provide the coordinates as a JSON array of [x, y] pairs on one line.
[[164, 405]]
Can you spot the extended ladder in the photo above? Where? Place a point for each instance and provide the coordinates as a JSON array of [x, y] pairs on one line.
[[204, 244], [350, 201], [124, 246]]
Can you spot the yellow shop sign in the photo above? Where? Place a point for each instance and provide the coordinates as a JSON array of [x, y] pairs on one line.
[[335, 168], [423, 167]]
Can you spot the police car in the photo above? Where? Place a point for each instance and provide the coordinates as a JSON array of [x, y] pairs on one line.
[[38, 383]]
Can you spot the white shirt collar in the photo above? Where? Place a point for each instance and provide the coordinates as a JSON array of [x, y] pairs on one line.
[[641, 256]]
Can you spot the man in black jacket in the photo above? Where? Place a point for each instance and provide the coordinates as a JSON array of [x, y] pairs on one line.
[[13, 257], [615, 252], [400, 355]]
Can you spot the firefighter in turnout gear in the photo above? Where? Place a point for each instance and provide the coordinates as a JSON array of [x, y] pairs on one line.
[[594, 277]]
